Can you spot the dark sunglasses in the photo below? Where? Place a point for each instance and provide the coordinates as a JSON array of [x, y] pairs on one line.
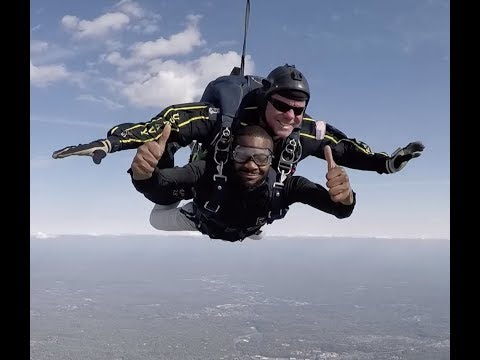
[[283, 107], [240, 155]]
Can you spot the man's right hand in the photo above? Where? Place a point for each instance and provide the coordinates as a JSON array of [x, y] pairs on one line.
[[402, 156], [148, 155]]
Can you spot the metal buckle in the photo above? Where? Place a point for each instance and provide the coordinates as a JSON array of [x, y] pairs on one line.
[[222, 148], [288, 156], [206, 206], [270, 213], [278, 184], [217, 176]]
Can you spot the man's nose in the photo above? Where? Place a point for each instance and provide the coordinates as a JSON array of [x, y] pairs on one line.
[[289, 114], [250, 164]]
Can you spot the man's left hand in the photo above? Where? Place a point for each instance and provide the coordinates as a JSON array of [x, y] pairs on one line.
[[338, 183]]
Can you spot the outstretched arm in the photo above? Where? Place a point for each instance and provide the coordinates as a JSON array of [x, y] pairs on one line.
[[190, 121], [300, 189], [339, 200], [355, 154]]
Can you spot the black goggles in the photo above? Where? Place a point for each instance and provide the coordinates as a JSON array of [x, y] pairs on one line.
[[284, 107], [242, 154]]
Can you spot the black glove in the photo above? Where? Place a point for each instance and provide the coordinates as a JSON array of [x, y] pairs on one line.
[[96, 149], [401, 156]]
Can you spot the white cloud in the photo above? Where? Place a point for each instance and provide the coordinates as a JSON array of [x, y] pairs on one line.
[[180, 43], [126, 14], [113, 45], [167, 86], [115, 58], [55, 53], [147, 20], [146, 27], [142, 78], [41, 235], [45, 75], [37, 46], [99, 27], [130, 8], [171, 82]]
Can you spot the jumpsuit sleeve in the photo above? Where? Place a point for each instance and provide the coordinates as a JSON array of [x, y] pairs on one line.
[[189, 121], [171, 178], [348, 152], [300, 189]]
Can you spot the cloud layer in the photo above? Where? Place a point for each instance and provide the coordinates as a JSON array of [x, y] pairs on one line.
[[164, 69]]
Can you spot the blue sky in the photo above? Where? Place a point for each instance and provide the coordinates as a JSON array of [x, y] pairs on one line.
[[378, 70]]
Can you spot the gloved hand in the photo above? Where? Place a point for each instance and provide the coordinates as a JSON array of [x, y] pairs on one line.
[[96, 149], [401, 156]]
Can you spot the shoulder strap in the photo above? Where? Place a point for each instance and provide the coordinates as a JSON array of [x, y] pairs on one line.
[[220, 156], [289, 157], [276, 189]]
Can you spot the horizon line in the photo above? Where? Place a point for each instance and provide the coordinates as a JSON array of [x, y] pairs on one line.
[[42, 235]]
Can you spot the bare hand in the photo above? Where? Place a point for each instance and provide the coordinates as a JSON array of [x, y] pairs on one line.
[[338, 183], [148, 155]]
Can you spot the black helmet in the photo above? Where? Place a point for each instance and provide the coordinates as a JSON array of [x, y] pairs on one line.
[[287, 81]]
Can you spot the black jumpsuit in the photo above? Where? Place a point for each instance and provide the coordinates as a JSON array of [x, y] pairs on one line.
[[242, 211]]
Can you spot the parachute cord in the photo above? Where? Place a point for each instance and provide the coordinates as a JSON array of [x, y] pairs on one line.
[[247, 16]]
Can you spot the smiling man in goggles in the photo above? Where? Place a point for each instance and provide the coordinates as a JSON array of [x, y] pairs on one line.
[[251, 163]]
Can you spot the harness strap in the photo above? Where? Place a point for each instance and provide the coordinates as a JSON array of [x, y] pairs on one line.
[[276, 211], [289, 157], [220, 156]]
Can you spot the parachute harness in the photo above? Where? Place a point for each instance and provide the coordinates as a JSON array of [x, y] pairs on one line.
[[289, 157]]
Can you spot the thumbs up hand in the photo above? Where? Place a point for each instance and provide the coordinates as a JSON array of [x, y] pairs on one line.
[[338, 183], [148, 155]]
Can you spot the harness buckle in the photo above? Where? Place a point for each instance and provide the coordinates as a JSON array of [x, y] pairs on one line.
[[289, 156], [209, 208], [280, 213], [219, 176], [278, 184], [285, 167], [222, 147]]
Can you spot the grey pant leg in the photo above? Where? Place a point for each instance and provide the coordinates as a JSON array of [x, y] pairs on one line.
[[257, 236], [169, 218]]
